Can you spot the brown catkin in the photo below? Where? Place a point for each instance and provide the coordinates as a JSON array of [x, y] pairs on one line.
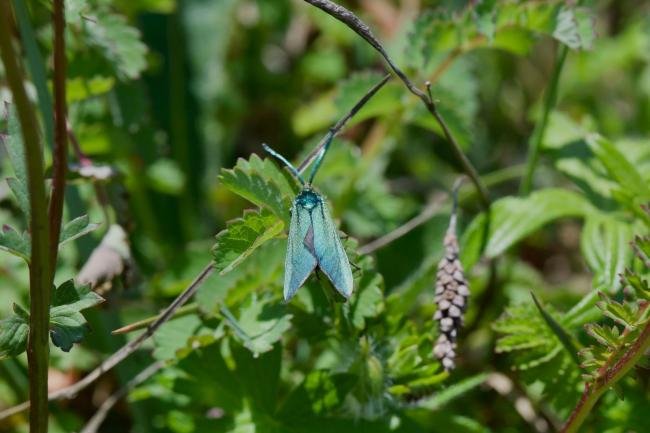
[[452, 293]]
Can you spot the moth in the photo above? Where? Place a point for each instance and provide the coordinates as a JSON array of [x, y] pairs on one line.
[[313, 241]]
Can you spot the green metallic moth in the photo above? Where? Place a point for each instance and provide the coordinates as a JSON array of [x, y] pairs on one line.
[[313, 241]]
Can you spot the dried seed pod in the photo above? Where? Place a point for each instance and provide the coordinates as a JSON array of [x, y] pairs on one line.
[[452, 292]]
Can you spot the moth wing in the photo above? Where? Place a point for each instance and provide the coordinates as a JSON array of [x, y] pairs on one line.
[[300, 261], [330, 254]]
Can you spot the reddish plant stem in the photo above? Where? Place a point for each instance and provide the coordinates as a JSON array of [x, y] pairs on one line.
[[608, 376], [60, 133]]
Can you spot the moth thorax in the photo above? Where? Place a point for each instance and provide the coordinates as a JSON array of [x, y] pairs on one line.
[[308, 199]]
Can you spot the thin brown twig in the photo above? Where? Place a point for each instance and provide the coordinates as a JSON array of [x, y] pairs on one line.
[[431, 209], [126, 350], [38, 349], [98, 418], [354, 23], [334, 130]]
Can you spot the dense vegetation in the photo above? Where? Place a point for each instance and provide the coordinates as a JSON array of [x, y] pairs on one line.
[[131, 135]]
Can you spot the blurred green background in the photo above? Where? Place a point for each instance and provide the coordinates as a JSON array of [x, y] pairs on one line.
[[169, 93]]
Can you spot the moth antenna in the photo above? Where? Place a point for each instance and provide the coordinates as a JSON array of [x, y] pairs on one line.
[[284, 161]]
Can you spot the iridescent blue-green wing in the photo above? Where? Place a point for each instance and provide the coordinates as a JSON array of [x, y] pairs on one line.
[[331, 256], [300, 261]]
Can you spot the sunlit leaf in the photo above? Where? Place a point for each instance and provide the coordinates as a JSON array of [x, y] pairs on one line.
[[511, 219], [243, 236], [67, 324]]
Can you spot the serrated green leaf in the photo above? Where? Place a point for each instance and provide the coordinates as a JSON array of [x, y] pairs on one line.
[[368, 301], [76, 228], [260, 324], [604, 243], [618, 166], [13, 336], [67, 324], [603, 334], [624, 314], [22, 196], [242, 237], [260, 187], [514, 218], [639, 285], [118, 42], [14, 243], [174, 335]]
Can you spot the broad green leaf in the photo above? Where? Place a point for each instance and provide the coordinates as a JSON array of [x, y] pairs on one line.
[[14, 243], [320, 393], [242, 237], [76, 228], [174, 335], [618, 166], [368, 301], [605, 246], [67, 324], [208, 381], [259, 376], [13, 334], [258, 182], [513, 218], [21, 194], [260, 324]]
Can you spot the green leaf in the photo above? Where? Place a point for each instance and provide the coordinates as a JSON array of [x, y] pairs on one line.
[[605, 246], [452, 392], [76, 228], [565, 338], [262, 183], [618, 166], [67, 324], [369, 299], [13, 336], [22, 196], [118, 42], [174, 335], [14, 243], [260, 324], [208, 381], [513, 218], [259, 376], [242, 237], [14, 146], [320, 393], [575, 28]]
